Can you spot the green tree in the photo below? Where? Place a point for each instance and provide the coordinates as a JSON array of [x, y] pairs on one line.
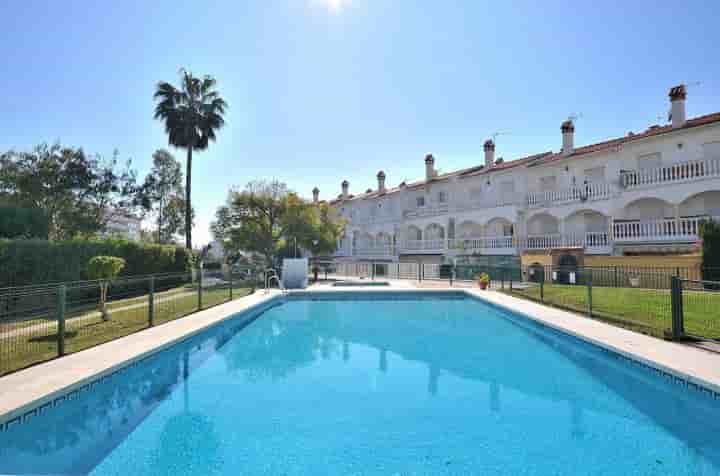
[[268, 219], [192, 114], [106, 269], [74, 191], [162, 193], [22, 222]]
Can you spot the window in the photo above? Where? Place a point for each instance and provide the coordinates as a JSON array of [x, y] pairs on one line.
[[442, 197], [649, 161], [547, 184], [420, 202], [507, 230], [711, 150], [507, 190], [595, 175]]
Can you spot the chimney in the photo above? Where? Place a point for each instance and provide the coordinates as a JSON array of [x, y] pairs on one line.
[[568, 132], [489, 147], [429, 167], [345, 187], [316, 195], [677, 95], [381, 182]]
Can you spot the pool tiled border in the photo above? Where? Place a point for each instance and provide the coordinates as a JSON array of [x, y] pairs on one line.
[[524, 313]]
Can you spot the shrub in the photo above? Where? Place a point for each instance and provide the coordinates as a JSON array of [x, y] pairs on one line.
[[106, 269], [25, 262], [710, 233], [20, 222]]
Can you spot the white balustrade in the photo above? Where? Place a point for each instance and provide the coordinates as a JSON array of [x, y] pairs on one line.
[[375, 250], [591, 191], [667, 229], [685, 171], [424, 245], [484, 242]]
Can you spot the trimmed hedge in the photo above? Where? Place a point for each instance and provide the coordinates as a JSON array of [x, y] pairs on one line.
[[710, 233], [24, 262]]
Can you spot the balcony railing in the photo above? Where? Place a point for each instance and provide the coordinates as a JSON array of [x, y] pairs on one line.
[[685, 171], [427, 211], [376, 250], [666, 229], [594, 241], [597, 191], [424, 245], [480, 243]]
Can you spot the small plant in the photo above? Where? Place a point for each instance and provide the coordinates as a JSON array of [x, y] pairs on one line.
[[483, 280], [106, 269]]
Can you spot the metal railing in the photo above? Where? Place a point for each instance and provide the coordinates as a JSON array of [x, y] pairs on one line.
[[597, 191], [639, 298], [685, 171], [666, 229], [39, 323]]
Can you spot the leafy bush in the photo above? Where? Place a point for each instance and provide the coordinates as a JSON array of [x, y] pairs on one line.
[[105, 268], [25, 262], [710, 233], [20, 222]]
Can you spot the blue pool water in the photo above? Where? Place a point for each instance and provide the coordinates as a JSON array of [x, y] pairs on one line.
[[381, 386]]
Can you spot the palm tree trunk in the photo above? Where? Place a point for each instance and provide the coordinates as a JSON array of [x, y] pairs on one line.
[[188, 206], [160, 218]]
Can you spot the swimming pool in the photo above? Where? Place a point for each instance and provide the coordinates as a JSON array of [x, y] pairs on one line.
[[374, 383]]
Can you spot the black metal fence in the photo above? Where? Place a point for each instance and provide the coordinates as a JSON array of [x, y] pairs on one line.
[[39, 323], [696, 309], [639, 298]]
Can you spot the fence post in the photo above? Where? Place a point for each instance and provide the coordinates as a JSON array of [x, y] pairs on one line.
[[676, 304], [61, 296], [419, 271], [616, 277], [372, 266], [151, 301], [511, 279], [200, 276], [502, 280], [542, 287], [589, 297], [231, 285], [452, 274]]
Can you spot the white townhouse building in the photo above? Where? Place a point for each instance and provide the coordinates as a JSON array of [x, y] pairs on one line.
[[123, 224], [641, 194]]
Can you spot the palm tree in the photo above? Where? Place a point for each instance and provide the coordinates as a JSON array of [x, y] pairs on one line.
[[191, 114]]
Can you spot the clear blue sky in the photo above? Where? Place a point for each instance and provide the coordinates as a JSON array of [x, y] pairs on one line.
[[318, 94]]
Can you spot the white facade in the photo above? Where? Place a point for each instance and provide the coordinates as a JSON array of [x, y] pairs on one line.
[[645, 192], [122, 224]]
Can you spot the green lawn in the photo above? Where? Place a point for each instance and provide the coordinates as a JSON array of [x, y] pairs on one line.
[[21, 347], [645, 310]]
